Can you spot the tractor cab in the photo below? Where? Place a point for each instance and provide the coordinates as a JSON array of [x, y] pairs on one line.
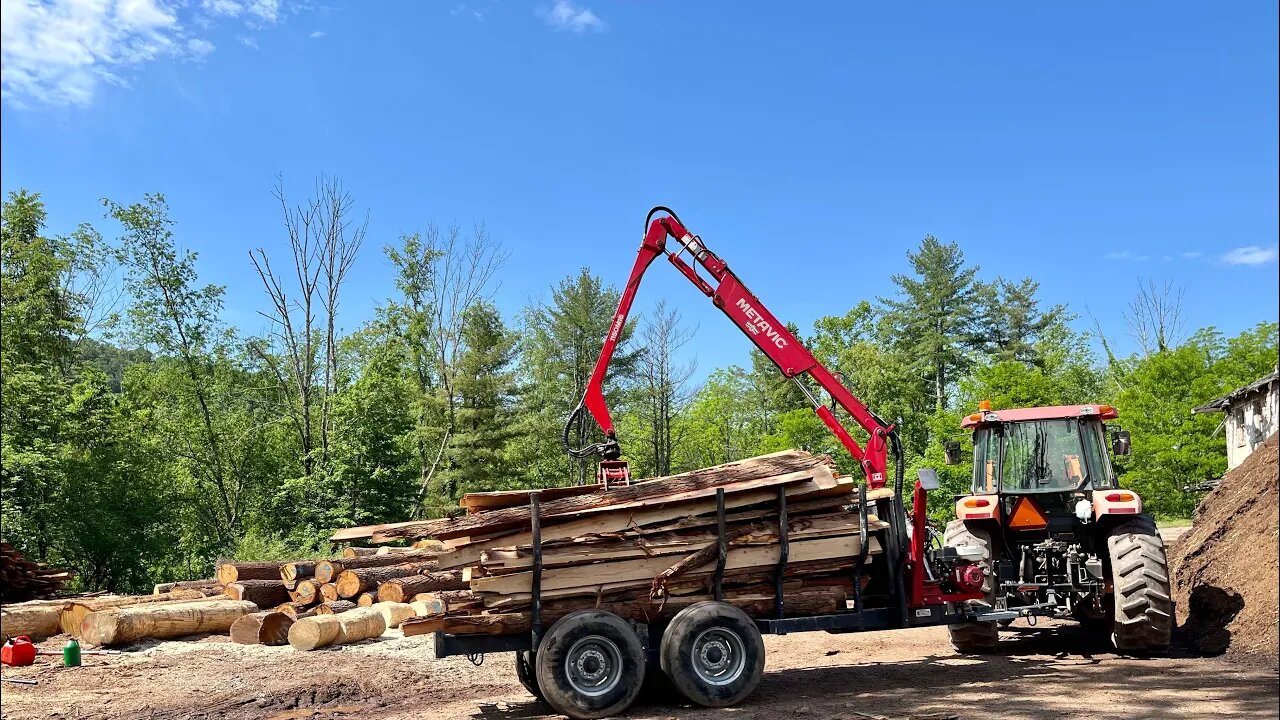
[[1044, 468]]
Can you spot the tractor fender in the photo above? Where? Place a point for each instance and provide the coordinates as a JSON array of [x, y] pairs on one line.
[[1116, 502], [978, 507]]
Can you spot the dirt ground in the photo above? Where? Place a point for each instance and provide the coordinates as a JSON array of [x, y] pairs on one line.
[[1042, 672]]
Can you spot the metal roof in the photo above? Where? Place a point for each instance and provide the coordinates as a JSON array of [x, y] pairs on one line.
[[1222, 403], [1053, 412]]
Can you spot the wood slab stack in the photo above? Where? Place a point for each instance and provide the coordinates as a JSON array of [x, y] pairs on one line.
[[643, 551], [21, 579]]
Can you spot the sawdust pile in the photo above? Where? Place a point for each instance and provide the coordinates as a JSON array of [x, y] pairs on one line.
[[1226, 567]]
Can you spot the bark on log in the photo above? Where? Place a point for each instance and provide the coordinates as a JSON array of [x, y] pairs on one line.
[[321, 630], [231, 572], [353, 582], [334, 607], [329, 570], [403, 589], [393, 613], [355, 552], [74, 614], [116, 626], [263, 593], [37, 621], [367, 599], [328, 592], [308, 592]]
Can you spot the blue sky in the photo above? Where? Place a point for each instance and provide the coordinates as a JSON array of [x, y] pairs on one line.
[[811, 145]]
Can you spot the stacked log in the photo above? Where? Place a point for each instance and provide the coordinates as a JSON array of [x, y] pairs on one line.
[[21, 579], [642, 551], [263, 593], [120, 625]]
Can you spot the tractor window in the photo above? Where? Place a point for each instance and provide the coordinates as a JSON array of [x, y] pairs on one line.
[[1095, 448], [986, 458], [1043, 456]]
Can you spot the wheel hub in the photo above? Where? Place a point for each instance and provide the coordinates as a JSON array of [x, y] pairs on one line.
[[593, 665], [719, 656]]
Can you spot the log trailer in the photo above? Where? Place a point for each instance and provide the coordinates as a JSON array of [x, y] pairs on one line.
[[591, 663]]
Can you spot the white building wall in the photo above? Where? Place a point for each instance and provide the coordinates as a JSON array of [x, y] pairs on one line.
[[1250, 421]]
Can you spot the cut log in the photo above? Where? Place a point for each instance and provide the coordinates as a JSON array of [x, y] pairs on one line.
[[36, 621], [245, 629], [117, 626], [402, 589], [295, 571], [315, 632], [209, 585], [295, 610], [355, 552], [393, 613], [74, 614], [322, 630], [307, 592], [263, 593], [766, 471], [367, 599], [483, 501], [328, 592], [329, 570], [231, 572], [334, 607], [353, 582]]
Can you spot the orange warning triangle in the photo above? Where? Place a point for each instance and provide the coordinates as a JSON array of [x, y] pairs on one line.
[[1027, 515]]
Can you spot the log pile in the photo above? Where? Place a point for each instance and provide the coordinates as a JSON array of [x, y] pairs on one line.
[[21, 579], [642, 551]]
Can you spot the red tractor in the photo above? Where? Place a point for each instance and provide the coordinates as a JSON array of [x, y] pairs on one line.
[[1060, 537]]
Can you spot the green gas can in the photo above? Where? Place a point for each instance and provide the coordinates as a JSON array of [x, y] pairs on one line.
[[71, 654]]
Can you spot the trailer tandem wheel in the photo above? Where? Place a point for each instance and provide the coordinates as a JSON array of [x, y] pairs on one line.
[[713, 653], [590, 664], [526, 675]]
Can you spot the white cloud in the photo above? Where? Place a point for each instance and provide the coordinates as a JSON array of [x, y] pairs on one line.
[[248, 41], [565, 15], [1192, 255], [317, 34], [199, 48], [1250, 255], [59, 52]]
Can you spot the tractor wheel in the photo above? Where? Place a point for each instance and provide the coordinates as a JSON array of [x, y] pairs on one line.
[[1140, 576], [975, 637]]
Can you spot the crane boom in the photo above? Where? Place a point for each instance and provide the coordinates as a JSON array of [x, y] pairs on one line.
[[744, 309]]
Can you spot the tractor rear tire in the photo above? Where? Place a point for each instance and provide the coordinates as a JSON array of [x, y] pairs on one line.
[[975, 637], [1140, 577]]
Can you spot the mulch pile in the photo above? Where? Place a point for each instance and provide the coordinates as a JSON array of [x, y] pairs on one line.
[[1226, 567]]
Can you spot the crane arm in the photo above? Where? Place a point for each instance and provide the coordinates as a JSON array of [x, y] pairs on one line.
[[772, 337]]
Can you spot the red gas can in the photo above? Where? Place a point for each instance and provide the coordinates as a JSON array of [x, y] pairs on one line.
[[18, 651]]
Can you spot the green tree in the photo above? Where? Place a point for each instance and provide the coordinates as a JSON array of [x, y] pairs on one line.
[[478, 453], [1011, 322], [934, 318]]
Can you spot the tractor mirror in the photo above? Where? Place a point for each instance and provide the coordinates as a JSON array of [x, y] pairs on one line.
[[928, 478], [1120, 443], [951, 452]]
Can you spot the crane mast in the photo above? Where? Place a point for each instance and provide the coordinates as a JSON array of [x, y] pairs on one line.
[[731, 296]]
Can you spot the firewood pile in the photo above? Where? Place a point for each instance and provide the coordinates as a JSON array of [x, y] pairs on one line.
[[642, 551], [21, 579]]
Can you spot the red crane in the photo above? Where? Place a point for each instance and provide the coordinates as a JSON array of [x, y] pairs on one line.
[[773, 338]]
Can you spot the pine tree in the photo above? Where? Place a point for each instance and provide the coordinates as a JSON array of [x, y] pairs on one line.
[[484, 385], [934, 318], [1011, 323]]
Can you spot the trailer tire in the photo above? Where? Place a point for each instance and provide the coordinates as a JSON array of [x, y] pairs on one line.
[[974, 637], [590, 665], [1140, 577], [525, 672], [713, 654]]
